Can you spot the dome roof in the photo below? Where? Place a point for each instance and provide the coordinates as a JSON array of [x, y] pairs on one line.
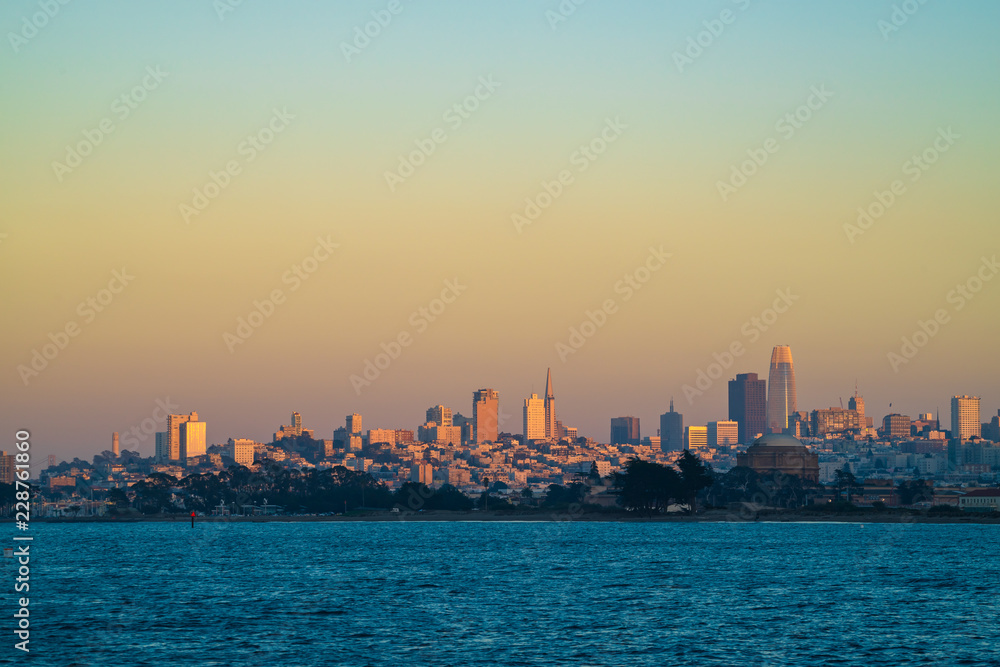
[[777, 440]]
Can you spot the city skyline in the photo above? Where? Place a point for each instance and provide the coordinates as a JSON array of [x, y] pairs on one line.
[[164, 162], [744, 389]]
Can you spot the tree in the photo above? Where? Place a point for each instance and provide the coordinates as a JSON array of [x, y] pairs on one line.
[[118, 500], [647, 487], [695, 476], [915, 491], [845, 479]]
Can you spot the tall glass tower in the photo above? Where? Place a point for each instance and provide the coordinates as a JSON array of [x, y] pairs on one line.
[[781, 389]]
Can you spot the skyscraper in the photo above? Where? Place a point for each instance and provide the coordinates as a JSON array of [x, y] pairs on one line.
[[296, 424], [193, 439], [781, 401], [965, 417], [625, 431], [171, 449], [671, 430], [440, 415], [485, 415], [551, 432], [748, 405], [534, 418], [353, 425], [722, 433], [857, 403]]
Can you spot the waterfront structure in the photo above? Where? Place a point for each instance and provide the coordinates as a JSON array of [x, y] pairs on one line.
[[781, 453], [671, 430], [748, 405], [534, 418], [965, 417], [896, 426], [485, 415], [980, 500], [781, 397], [722, 433], [625, 431], [551, 430], [695, 437]]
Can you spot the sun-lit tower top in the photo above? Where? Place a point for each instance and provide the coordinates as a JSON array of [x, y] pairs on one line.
[[114, 444], [781, 402]]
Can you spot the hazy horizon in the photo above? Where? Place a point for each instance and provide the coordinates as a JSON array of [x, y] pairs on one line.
[[876, 99]]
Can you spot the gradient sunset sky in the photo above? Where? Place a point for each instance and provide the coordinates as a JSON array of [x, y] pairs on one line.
[[889, 95]]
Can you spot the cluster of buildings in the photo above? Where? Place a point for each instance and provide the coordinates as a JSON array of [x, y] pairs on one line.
[[765, 431]]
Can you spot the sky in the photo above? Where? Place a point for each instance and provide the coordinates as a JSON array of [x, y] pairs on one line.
[[652, 176]]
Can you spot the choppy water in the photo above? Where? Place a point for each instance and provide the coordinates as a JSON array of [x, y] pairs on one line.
[[566, 593]]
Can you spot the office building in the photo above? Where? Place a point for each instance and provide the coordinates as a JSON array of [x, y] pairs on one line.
[[241, 450], [440, 415], [965, 417], [193, 439], [534, 418], [723, 433], [485, 415], [896, 426], [781, 401], [671, 430], [172, 447], [748, 405], [835, 420], [625, 431], [695, 437]]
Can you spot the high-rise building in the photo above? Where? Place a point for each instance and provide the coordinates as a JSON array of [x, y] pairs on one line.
[[193, 439], [671, 430], [857, 403], [8, 466], [384, 436], [115, 448], [723, 433], [296, 423], [965, 417], [625, 431], [354, 438], [748, 405], [781, 402], [695, 437], [896, 426], [440, 415], [551, 432], [534, 418], [162, 440], [173, 444], [836, 420], [485, 415], [241, 450], [354, 424]]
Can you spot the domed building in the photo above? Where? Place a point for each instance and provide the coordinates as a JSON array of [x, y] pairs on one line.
[[784, 453]]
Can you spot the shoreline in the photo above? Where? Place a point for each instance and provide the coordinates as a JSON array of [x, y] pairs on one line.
[[710, 516]]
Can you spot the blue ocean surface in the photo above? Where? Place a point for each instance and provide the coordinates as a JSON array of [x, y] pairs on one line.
[[508, 593]]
